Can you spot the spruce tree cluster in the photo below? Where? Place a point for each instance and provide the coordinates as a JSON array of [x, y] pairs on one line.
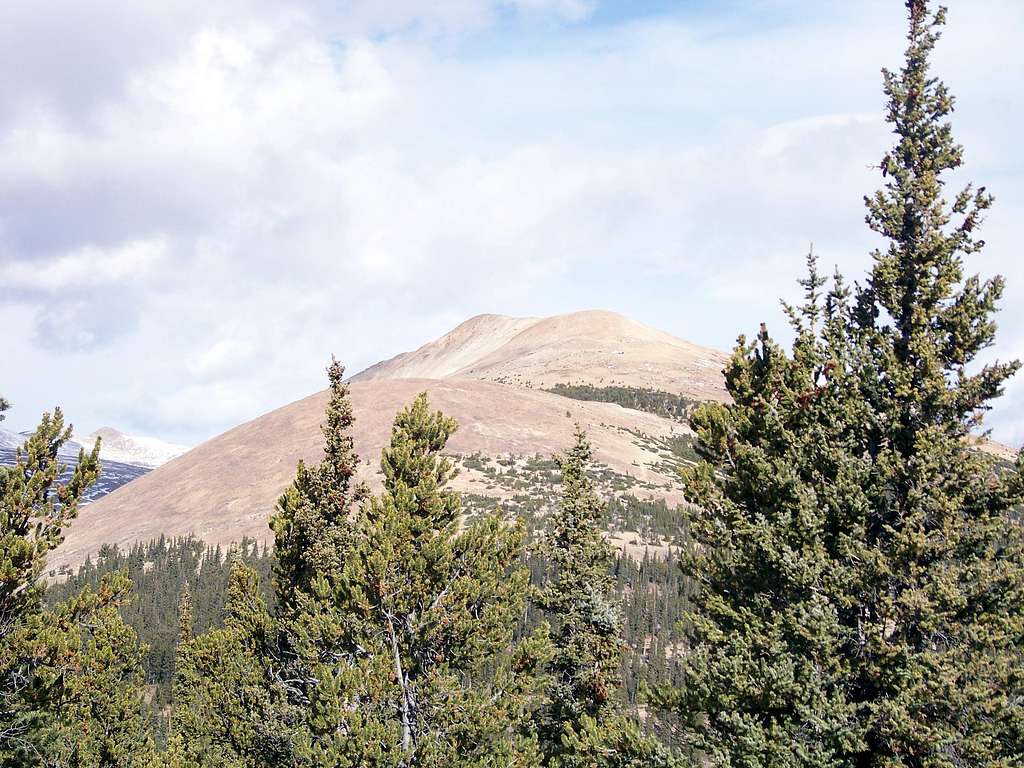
[[396, 645], [860, 562]]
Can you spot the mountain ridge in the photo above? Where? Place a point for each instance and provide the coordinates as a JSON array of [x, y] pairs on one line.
[[592, 346], [139, 450], [489, 373], [497, 328]]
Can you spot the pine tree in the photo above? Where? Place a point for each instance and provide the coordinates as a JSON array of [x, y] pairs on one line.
[[311, 521], [315, 664], [34, 510], [70, 676], [581, 723], [576, 597], [94, 660], [860, 566], [406, 650], [228, 710], [185, 624]]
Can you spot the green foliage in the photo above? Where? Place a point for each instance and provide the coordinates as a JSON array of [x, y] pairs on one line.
[[653, 593], [683, 447], [576, 596], [227, 712], [620, 744], [70, 677], [34, 510], [652, 520], [579, 722], [163, 570], [318, 684], [653, 401], [310, 522], [860, 573], [409, 642], [95, 662]]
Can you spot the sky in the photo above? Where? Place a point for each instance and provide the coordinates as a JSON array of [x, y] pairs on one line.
[[201, 202]]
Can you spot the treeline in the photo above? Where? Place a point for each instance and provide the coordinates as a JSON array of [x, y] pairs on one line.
[[652, 520], [646, 399], [652, 593], [161, 571]]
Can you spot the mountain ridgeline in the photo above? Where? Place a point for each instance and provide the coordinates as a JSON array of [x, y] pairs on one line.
[[490, 375], [123, 457]]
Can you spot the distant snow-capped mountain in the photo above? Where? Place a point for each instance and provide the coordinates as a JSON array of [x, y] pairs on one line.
[[10, 440], [113, 474], [141, 451], [123, 458]]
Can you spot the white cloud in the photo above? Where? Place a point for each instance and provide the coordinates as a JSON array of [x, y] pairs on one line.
[[85, 267], [229, 197], [573, 10], [221, 357], [210, 403]]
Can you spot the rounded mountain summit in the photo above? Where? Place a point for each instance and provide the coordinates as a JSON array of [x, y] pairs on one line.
[[492, 374]]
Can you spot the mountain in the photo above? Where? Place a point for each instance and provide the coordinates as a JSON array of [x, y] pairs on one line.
[[474, 339], [113, 474], [490, 374], [148, 452], [594, 347], [9, 441], [123, 458]]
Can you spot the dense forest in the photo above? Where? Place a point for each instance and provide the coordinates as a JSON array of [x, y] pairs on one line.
[[638, 398], [161, 571], [652, 593], [848, 591]]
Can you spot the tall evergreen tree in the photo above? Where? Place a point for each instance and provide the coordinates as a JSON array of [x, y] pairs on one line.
[[311, 522], [95, 662], [860, 566], [70, 677], [406, 650], [576, 597], [185, 628], [315, 663], [34, 509], [581, 723]]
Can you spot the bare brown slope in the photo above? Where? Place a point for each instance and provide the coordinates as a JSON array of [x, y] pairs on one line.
[[593, 347], [226, 488], [467, 343]]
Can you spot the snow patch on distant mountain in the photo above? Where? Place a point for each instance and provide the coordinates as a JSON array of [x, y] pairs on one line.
[[113, 475], [9, 441], [115, 446], [123, 458], [141, 451]]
